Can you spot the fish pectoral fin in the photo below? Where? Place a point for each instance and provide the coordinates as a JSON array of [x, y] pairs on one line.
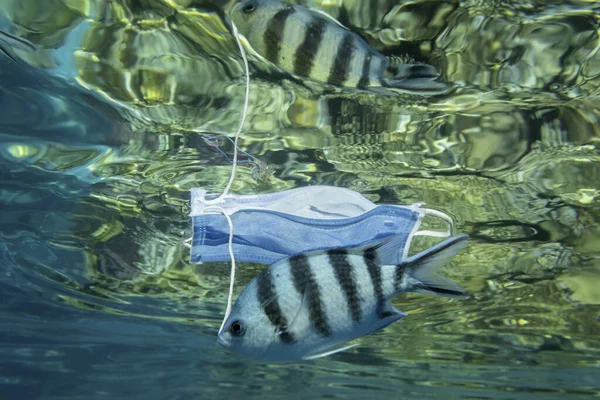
[[299, 323], [329, 352]]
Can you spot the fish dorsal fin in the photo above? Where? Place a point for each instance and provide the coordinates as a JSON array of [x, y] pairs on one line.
[[329, 18], [387, 251], [329, 352]]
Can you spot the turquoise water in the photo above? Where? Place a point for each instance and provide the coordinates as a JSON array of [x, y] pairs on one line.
[[103, 132]]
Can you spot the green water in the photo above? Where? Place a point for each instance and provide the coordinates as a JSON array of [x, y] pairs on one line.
[[97, 167]]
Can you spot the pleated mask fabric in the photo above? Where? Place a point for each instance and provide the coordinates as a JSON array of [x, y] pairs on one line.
[[270, 227]]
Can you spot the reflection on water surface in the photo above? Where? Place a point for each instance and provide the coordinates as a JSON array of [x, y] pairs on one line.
[[112, 119]]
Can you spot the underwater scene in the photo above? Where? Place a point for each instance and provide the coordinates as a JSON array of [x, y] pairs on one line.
[[112, 111]]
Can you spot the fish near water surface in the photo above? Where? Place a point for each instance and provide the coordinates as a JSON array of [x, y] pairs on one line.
[[312, 44], [307, 305]]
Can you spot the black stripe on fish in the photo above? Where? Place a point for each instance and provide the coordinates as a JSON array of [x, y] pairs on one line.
[[364, 77], [375, 274], [341, 65], [304, 281], [399, 275], [268, 300], [343, 273], [274, 34], [306, 53]]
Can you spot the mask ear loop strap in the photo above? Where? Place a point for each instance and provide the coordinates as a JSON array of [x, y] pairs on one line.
[[445, 217], [412, 234], [243, 120], [232, 274], [423, 212], [232, 176]]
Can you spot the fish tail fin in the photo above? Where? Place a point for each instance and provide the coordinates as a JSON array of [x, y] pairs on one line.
[[422, 268], [416, 78]]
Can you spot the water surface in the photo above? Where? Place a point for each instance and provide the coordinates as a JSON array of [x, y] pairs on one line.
[[125, 106]]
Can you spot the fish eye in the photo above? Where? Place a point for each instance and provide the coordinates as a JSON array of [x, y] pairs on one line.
[[249, 7], [237, 329]]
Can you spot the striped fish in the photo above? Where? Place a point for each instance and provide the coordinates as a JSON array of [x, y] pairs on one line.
[[312, 44], [307, 305]]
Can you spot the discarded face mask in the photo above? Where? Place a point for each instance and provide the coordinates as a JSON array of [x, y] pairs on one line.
[[270, 227]]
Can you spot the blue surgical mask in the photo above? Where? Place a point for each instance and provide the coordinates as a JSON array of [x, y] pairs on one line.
[[270, 227]]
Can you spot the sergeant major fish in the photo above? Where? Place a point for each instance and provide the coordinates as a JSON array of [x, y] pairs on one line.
[[304, 306], [312, 44]]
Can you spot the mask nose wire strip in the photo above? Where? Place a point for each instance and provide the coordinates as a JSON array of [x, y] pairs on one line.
[[232, 176]]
